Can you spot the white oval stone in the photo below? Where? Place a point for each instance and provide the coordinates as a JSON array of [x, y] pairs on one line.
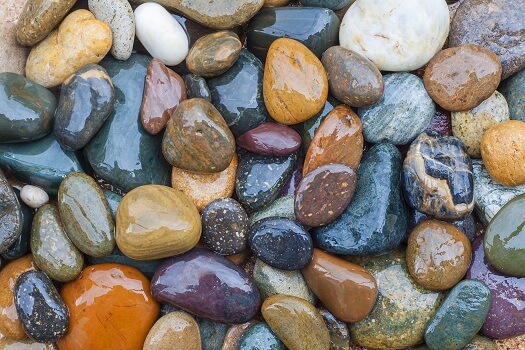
[[118, 15], [396, 35], [161, 34], [33, 196]]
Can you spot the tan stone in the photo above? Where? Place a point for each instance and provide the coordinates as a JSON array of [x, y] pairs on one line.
[[275, 3], [25, 344], [175, 331], [13, 56]]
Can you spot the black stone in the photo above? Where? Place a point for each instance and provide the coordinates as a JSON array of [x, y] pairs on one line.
[[196, 87], [21, 246], [10, 215]]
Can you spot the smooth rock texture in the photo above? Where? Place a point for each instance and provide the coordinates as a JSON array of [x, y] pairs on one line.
[[310, 126], [13, 56], [212, 333], [196, 87], [176, 227], [76, 120], [467, 225], [11, 223], [514, 91], [43, 313], [207, 285], [295, 86], [346, 289], [34, 196], [339, 334], [370, 227], [174, 331], [270, 139], [21, 246], [260, 337], [496, 25], [79, 40], [280, 208], [26, 109], [101, 302], [402, 113]]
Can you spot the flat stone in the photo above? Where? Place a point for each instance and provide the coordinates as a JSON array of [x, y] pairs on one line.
[[280, 208], [177, 330], [514, 91], [196, 87], [270, 139], [339, 333], [11, 223], [20, 246], [260, 337], [13, 56]]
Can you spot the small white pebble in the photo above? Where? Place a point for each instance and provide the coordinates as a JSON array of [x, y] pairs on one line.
[[33, 196]]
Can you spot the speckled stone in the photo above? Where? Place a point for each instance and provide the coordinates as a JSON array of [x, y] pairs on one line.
[[212, 333], [292, 184], [339, 333], [270, 139], [402, 113], [280, 208], [260, 337], [441, 122], [196, 87], [514, 343], [20, 247], [11, 223], [43, 313], [175, 331], [514, 91]]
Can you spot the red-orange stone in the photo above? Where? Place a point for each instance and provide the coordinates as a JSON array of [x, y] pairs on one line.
[[110, 307]]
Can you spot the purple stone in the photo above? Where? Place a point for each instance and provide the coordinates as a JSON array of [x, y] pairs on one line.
[[291, 186], [270, 139]]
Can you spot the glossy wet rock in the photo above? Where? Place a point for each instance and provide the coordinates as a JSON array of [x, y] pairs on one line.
[[27, 109], [101, 298], [280, 208], [11, 223], [20, 246], [308, 128], [437, 177], [176, 330], [43, 313], [233, 335], [175, 229], [295, 82], [292, 184], [331, 4], [196, 87], [514, 91], [402, 113], [339, 334], [113, 200], [364, 225], [207, 285], [270, 139], [163, 91], [467, 225], [260, 337]]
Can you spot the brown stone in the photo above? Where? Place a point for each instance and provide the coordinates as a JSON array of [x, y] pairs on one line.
[[503, 152], [13, 56], [275, 3], [177, 330], [346, 289], [339, 139], [233, 335], [163, 91], [295, 84], [460, 78], [438, 254]]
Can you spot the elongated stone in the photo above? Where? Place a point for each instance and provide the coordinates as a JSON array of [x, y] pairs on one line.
[[270, 139], [20, 247], [10, 215]]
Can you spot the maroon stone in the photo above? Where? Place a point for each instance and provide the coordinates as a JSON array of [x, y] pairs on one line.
[[270, 139], [441, 122]]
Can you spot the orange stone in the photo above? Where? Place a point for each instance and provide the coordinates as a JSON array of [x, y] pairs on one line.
[[110, 307]]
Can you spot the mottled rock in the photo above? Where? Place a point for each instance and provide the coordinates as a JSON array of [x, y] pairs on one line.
[[308, 128], [10, 215], [233, 335], [176, 331], [212, 333], [260, 337], [467, 225], [514, 91], [270, 139], [21, 246]]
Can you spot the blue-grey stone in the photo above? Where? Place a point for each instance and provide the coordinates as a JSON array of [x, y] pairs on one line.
[[514, 92]]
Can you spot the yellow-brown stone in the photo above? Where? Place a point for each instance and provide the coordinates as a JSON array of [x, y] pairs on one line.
[[177, 330]]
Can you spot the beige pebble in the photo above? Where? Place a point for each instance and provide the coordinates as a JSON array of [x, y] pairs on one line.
[[33, 196]]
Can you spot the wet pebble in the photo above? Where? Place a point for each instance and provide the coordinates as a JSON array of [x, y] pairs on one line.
[[177, 331], [270, 139], [260, 337]]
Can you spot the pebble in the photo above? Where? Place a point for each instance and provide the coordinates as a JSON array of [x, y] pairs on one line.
[[296, 322], [43, 313], [13, 56], [164, 90], [175, 229], [233, 335], [292, 184], [295, 86], [460, 78], [260, 337], [402, 113], [34, 196], [79, 40], [161, 34], [207, 285], [506, 167], [339, 333], [441, 122], [196, 87], [280, 208], [514, 91], [118, 15], [346, 289], [176, 331], [470, 126], [467, 225], [76, 119], [212, 333], [10, 344], [352, 78], [11, 215], [103, 297], [308, 128], [270, 139], [21, 246], [374, 31]]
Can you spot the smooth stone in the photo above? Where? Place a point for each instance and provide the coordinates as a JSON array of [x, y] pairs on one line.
[[26, 109], [503, 152], [272, 281], [280, 208], [505, 237], [86, 216], [260, 337], [372, 30], [437, 177], [10, 325], [482, 343], [212, 333], [39, 18], [314, 27], [164, 90], [33, 196], [514, 91], [495, 25], [118, 15], [161, 34], [308, 128], [338, 139], [43, 313], [467, 225], [13, 56], [207, 285], [11, 222], [204, 188], [214, 54], [270, 139], [402, 113], [123, 153], [370, 227], [196, 87], [175, 229], [324, 193], [26, 344], [460, 78], [233, 335], [295, 86], [470, 126], [113, 200], [352, 78], [400, 317], [21, 246], [52, 250], [465, 307], [506, 311], [339, 333], [77, 120], [238, 94], [296, 322], [331, 4], [102, 298], [346, 289], [79, 40], [225, 226], [438, 255], [281, 243], [292, 184], [259, 179], [174, 331]]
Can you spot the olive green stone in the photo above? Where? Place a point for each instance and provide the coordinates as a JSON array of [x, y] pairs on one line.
[[280, 208], [52, 250], [10, 215], [86, 215]]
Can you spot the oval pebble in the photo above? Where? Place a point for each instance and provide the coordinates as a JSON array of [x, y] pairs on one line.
[[176, 331], [34, 196], [270, 139]]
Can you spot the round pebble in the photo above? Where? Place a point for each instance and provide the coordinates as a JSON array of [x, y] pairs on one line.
[[177, 330], [33, 196]]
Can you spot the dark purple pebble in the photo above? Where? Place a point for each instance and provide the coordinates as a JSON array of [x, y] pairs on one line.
[[270, 139]]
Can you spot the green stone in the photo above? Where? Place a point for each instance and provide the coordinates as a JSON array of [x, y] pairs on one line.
[[260, 337], [212, 333], [309, 127], [21, 246], [10, 215], [280, 208]]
